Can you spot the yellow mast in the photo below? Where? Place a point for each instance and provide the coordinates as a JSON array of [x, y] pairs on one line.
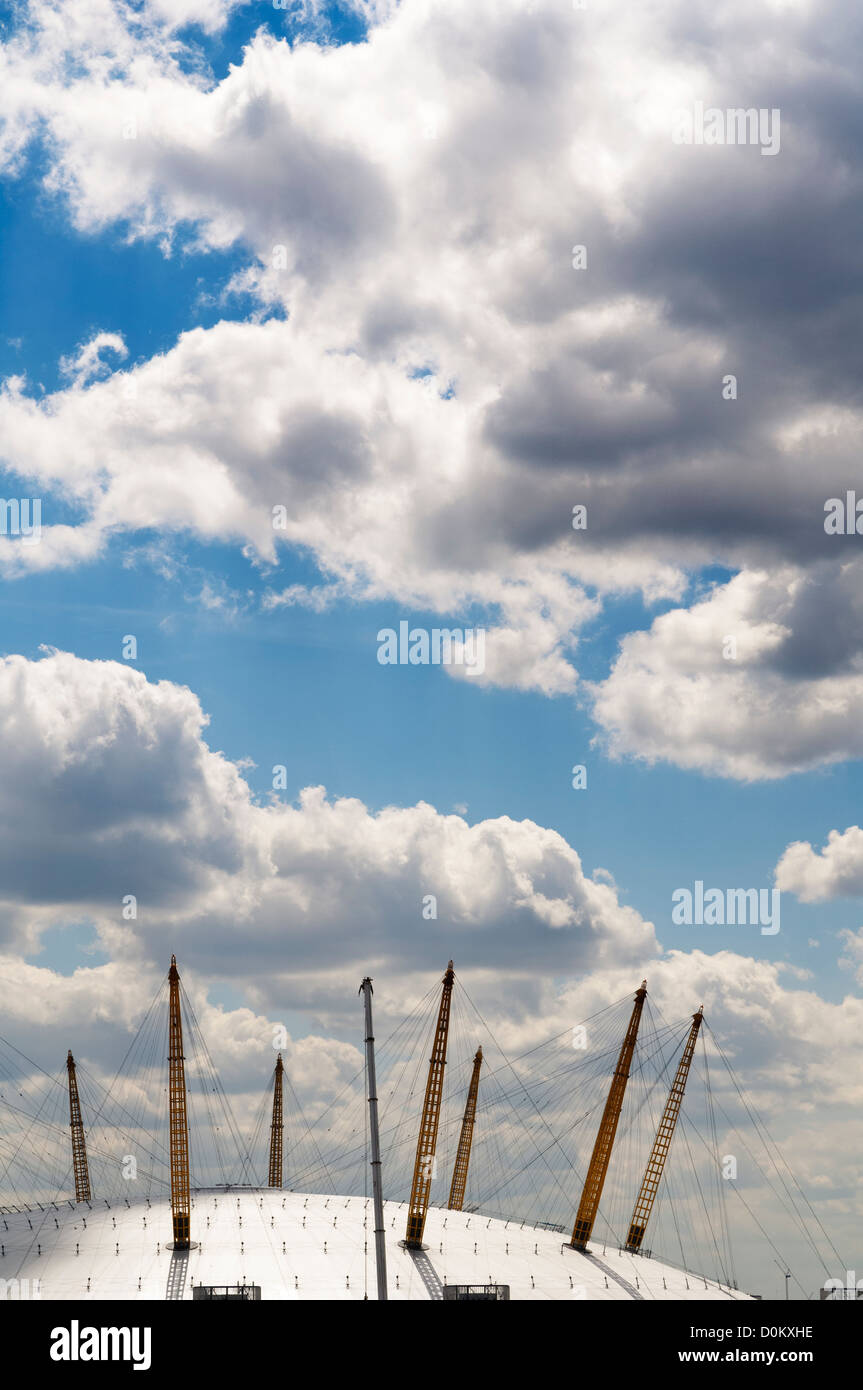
[[462, 1158], [427, 1142], [596, 1173], [179, 1127], [662, 1143], [79, 1147], [276, 1129]]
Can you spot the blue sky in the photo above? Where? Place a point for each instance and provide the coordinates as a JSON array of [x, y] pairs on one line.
[[411, 198], [303, 687]]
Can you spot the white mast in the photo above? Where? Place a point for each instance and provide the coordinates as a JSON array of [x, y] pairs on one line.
[[377, 1190]]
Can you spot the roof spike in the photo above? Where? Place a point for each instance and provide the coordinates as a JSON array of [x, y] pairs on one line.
[[662, 1143], [178, 1119], [462, 1158], [80, 1166], [601, 1156], [277, 1128], [427, 1141]]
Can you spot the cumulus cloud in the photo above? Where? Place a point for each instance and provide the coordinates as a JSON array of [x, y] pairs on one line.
[[435, 390], [245, 433], [836, 871], [446, 386], [112, 790], [769, 1023], [754, 681]]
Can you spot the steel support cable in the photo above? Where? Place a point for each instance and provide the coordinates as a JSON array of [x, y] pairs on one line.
[[17, 1164], [349, 1086], [713, 1155], [145, 1075], [604, 1043], [525, 1088], [413, 1022], [596, 1059], [685, 1125], [420, 1062], [683, 1181], [556, 1144], [352, 1155], [407, 1116], [555, 1141], [33, 1175], [552, 1086], [517, 1169], [662, 1074], [608, 1045], [259, 1120], [295, 1098], [698, 1194], [566, 1032], [219, 1091], [88, 1080], [714, 1133], [54, 1080], [757, 1124], [644, 1053], [785, 1263], [714, 1168], [25, 1138], [724, 1255], [789, 1208], [207, 1142], [140, 1034], [96, 1112], [760, 1125], [672, 1206], [704, 1203], [739, 1195], [43, 1215], [517, 1173]]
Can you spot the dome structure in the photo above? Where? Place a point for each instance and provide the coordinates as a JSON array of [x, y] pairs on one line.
[[274, 1244]]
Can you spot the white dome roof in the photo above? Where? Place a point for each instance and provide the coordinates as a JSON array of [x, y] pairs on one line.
[[298, 1246]]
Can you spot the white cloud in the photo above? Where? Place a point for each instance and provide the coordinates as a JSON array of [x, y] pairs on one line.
[[393, 253], [836, 871], [852, 957], [706, 687], [374, 471], [87, 362], [111, 790]]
